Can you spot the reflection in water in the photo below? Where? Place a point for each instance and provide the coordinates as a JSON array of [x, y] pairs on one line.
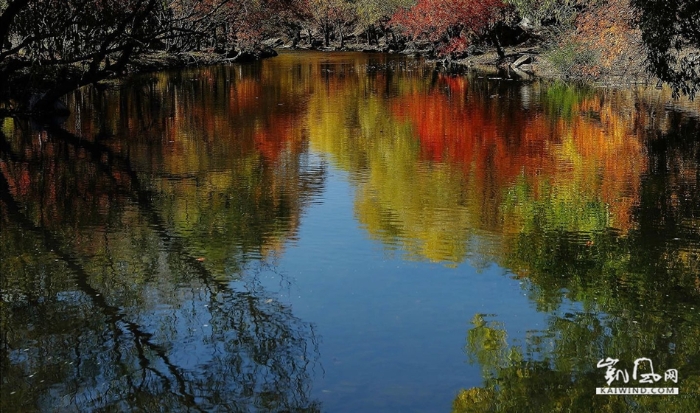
[[469, 160], [640, 292], [119, 249], [133, 239], [579, 193]]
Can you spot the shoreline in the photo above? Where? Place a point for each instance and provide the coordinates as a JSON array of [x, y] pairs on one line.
[[524, 62], [533, 63], [487, 63], [153, 62]]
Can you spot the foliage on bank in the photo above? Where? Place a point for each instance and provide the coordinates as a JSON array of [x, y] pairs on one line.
[[49, 47]]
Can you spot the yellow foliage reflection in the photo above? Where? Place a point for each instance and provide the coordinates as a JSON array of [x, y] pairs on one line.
[[448, 171]]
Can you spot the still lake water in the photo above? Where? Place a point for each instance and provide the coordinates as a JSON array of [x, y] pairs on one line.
[[349, 233]]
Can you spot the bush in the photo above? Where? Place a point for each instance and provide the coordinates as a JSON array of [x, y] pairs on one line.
[[573, 59]]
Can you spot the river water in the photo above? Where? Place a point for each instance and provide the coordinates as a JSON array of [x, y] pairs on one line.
[[350, 233]]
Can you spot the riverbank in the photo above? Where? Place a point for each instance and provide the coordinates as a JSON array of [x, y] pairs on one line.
[[537, 61], [597, 51], [527, 61], [164, 60]]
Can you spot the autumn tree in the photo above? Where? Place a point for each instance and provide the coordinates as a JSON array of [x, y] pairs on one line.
[[671, 32], [206, 23], [453, 25], [342, 17], [330, 17], [373, 15], [289, 16]]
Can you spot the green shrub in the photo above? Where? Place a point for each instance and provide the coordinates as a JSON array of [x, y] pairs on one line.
[[572, 59]]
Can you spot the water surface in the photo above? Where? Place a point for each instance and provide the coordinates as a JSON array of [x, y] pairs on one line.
[[349, 232]]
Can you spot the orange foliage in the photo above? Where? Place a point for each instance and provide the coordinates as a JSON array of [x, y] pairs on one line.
[[612, 33], [497, 145], [472, 133]]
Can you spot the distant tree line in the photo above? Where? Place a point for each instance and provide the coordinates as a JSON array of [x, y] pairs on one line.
[[49, 47]]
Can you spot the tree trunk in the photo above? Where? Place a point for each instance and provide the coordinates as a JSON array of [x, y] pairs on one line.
[[311, 38], [497, 43], [296, 37]]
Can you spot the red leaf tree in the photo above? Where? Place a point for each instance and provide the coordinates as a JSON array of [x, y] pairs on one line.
[[452, 25]]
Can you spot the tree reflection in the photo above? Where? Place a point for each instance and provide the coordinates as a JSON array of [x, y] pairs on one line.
[[446, 165], [556, 369], [585, 196], [131, 240], [119, 288], [639, 293]]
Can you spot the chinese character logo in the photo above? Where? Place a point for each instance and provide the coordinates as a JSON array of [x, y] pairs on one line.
[[642, 372]]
